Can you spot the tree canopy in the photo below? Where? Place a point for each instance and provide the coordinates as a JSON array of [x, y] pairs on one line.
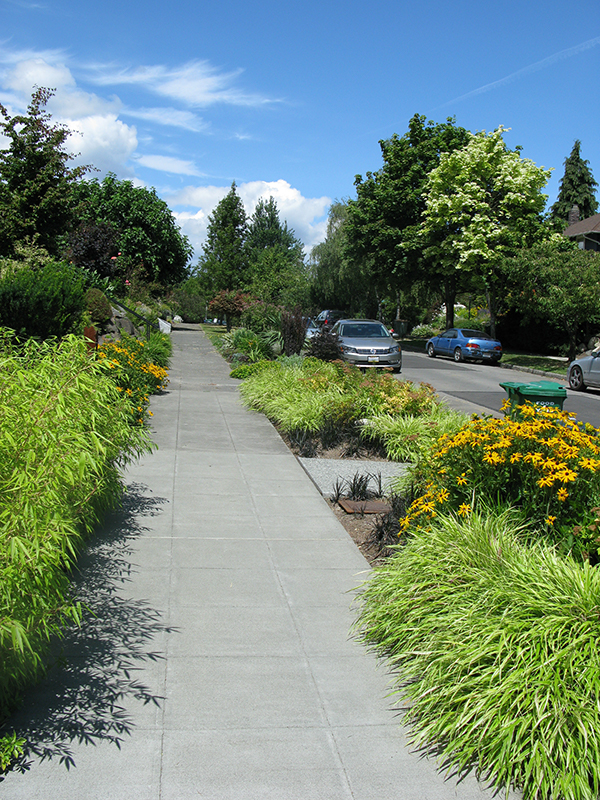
[[482, 202], [383, 221], [36, 181], [145, 232], [558, 282], [577, 187]]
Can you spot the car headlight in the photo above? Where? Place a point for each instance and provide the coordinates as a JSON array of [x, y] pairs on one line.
[[394, 349], [345, 348]]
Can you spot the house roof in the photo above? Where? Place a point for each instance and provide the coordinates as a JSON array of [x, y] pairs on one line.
[[589, 225]]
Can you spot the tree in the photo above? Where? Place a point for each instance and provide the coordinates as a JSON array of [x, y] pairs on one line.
[[95, 246], [577, 187], [36, 182], [482, 202], [224, 262], [149, 240], [383, 221], [276, 268], [557, 282]]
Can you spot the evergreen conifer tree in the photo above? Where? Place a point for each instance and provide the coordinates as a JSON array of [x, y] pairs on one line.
[[577, 187], [224, 264]]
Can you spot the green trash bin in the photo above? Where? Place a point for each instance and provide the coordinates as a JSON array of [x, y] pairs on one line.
[[540, 393]]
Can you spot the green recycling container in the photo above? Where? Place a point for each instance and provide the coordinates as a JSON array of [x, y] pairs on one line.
[[540, 393]]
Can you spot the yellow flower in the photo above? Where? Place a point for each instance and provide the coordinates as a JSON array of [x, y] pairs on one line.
[[516, 457], [461, 480], [550, 520], [443, 495], [562, 494], [464, 510]]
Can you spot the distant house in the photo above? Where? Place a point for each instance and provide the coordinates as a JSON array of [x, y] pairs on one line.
[[586, 232]]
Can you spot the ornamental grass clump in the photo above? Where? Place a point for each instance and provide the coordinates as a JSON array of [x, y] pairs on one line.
[[312, 395], [65, 433], [547, 464], [128, 363], [494, 646]]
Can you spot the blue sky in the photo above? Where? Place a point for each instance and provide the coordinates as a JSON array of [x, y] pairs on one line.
[[291, 99]]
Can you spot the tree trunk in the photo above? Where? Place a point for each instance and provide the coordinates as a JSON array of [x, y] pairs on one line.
[[490, 294], [450, 299]]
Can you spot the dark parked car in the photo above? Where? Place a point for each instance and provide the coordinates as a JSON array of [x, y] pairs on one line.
[[463, 344], [367, 343], [329, 317], [585, 372]]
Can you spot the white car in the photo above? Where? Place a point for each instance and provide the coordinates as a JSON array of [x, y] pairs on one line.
[[367, 343]]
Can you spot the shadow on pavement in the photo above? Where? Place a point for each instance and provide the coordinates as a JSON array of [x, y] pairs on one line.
[[92, 688]]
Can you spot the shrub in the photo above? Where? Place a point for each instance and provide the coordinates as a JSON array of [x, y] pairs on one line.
[[495, 645], [259, 316], [426, 331], [313, 395], [546, 464], [244, 371], [133, 373], [191, 307], [158, 349], [324, 346], [293, 331], [45, 302], [64, 434], [254, 346], [98, 306]]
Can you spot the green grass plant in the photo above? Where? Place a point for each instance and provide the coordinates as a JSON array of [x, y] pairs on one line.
[[65, 433], [311, 395], [494, 645], [410, 438]]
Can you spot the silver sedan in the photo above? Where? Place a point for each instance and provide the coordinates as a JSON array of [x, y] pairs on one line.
[[366, 343], [585, 372]]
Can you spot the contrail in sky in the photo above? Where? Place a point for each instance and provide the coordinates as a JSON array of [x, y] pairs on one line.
[[545, 62]]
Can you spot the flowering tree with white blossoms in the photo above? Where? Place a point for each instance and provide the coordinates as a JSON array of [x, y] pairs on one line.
[[483, 202]]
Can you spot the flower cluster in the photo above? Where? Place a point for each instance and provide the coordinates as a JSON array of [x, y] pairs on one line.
[[136, 377], [545, 463]]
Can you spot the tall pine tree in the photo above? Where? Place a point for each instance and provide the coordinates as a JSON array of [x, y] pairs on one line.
[[224, 263], [577, 187]]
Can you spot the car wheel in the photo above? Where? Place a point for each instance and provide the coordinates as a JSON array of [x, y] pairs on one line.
[[396, 370], [576, 379], [458, 356], [431, 351]]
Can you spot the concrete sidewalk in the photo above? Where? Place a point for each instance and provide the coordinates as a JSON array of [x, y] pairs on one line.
[[218, 663]]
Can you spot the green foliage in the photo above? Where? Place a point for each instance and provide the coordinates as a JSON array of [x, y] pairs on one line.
[[64, 435], [150, 242], [495, 645], [36, 183], [189, 301], [252, 346], [43, 302], [128, 364], [546, 464], [261, 316], [313, 395], [577, 187], [243, 371], [228, 304], [11, 748], [223, 264], [100, 310], [94, 246], [158, 349], [482, 202], [382, 223], [556, 281], [333, 283], [409, 437]]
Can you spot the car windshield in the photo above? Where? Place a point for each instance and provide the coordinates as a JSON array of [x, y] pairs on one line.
[[475, 335], [363, 330]]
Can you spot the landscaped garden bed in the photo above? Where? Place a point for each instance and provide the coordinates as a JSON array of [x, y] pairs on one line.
[[487, 607]]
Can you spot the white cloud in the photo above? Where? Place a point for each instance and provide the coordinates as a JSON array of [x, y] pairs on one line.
[[104, 141], [305, 215], [37, 72], [196, 83], [168, 164], [168, 116]]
